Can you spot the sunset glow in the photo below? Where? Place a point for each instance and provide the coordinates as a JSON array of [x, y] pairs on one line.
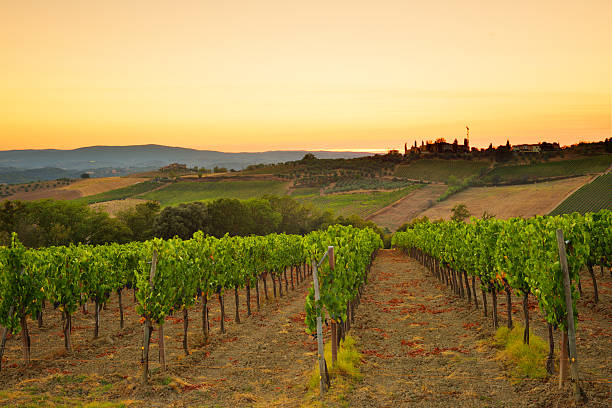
[[283, 75]]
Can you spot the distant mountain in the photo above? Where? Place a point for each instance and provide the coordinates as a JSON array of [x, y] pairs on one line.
[[17, 165]]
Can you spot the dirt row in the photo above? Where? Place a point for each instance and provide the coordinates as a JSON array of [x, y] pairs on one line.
[[421, 346], [260, 362]]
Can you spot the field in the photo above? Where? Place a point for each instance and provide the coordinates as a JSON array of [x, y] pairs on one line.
[[187, 191], [508, 201], [561, 168], [78, 188], [360, 204], [114, 206], [123, 192], [440, 170], [593, 196], [350, 184], [410, 206], [419, 345]]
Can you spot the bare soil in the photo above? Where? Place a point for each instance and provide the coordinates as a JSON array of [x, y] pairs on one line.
[[80, 188], [421, 346], [408, 207], [260, 362], [525, 200]]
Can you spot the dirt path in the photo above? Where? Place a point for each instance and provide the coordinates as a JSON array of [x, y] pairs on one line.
[[423, 346], [407, 207], [419, 350]]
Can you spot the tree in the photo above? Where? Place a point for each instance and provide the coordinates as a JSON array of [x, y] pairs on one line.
[[141, 220], [309, 157], [85, 175], [460, 213]]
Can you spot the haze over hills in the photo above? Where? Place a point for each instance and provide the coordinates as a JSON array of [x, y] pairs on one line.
[[46, 164]]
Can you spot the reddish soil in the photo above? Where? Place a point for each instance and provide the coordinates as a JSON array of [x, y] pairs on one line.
[[422, 346]]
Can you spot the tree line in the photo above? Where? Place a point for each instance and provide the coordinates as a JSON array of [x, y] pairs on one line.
[[49, 222]]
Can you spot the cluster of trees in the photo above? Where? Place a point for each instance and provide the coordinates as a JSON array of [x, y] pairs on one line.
[[51, 222]]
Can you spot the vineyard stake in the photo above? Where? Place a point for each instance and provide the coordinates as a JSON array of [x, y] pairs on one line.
[[319, 333], [571, 330], [148, 326]]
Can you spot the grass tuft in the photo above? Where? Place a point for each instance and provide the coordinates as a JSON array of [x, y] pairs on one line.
[[342, 375], [524, 361]]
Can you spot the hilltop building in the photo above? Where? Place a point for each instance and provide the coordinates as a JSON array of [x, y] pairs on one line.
[[439, 146], [174, 167], [527, 148]]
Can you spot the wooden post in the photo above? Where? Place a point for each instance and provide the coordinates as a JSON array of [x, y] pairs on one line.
[[563, 359], [571, 329], [322, 370], [148, 326]]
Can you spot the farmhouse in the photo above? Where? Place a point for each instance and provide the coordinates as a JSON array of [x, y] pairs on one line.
[[174, 167], [527, 148]]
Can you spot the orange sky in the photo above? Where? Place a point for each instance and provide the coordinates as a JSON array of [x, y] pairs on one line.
[[281, 74]]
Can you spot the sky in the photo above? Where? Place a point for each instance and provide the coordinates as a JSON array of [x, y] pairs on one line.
[[281, 74]]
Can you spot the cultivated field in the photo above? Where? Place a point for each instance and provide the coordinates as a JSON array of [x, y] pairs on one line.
[[508, 201], [79, 188], [361, 204], [440, 170], [123, 193], [593, 197], [420, 345], [114, 206], [560, 168], [408, 207], [187, 191]]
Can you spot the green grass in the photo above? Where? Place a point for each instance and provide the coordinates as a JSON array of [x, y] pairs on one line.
[[592, 197], [571, 167], [367, 183], [343, 375], [121, 193], [440, 170], [305, 191], [524, 361], [187, 191], [361, 204]]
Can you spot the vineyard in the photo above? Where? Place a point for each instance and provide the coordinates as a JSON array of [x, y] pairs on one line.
[[563, 168], [594, 196], [440, 170], [143, 294], [520, 256], [168, 276]]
